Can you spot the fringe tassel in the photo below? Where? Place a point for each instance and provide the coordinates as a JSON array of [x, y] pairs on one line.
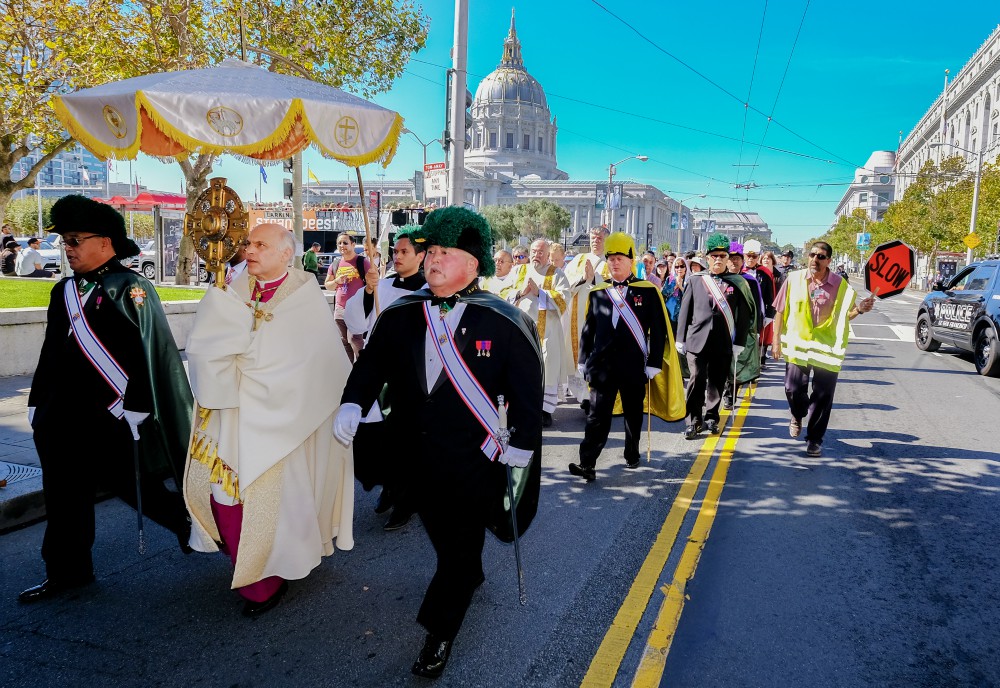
[[205, 451]]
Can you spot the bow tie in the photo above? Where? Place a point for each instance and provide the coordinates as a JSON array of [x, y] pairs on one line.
[[448, 301], [623, 283]]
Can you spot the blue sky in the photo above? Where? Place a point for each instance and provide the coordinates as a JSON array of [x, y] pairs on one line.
[[859, 74]]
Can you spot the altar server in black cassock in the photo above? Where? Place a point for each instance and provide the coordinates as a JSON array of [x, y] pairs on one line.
[[611, 358], [457, 490], [84, 430]]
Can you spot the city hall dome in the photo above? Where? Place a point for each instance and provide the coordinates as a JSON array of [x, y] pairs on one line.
[[514, 134]]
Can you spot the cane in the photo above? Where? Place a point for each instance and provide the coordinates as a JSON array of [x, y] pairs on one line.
[[138, 494], [649, 420], [503, 437]]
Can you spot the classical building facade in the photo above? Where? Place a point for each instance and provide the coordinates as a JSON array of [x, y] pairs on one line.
[[735, 224], [873, 187], [965, 118], [513, 160]]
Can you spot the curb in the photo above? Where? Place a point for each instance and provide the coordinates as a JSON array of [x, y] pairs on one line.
[[21, 503]]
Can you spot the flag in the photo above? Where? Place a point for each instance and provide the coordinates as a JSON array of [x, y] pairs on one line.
[[312, 175], [110, 167], [263, 174], [85, 175]]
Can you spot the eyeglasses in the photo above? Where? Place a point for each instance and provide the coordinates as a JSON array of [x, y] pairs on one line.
[[819, 256], [76, 241], [719, 256], [751, 255], [680, 266]]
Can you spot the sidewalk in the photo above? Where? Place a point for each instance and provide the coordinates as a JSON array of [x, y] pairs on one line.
[[21, 500]]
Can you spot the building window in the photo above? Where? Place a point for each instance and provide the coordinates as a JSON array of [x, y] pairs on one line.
[[479, 140], [862, 197], [527, 142], [493, 140], [542, 151], [510, 140]]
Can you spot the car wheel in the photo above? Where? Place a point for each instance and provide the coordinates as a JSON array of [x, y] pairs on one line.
[[922, 335], [202, 274], [987, 353], [149, 271]]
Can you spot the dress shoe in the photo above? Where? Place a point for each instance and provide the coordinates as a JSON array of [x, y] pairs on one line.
[[589, 474], [634, 463], [585, 405], [384, 502], [397, 519], [433, 657], [255, 609], [48, 589], [712, 426], [691, 431], [727, 401], [794, 427], [183, 538], [546, 419], [814, 449]]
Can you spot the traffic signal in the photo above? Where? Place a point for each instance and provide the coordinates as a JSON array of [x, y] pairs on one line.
[[288, 189], [288, 165], [469, 122], [398, 217]]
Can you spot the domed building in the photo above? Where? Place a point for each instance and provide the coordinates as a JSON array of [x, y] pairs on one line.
[[514, 133]]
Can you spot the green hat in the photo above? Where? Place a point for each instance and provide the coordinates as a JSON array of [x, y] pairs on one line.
[[717, 242], [456, 227], [81, 214], [405, 232]]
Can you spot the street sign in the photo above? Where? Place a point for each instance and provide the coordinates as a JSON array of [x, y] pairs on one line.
[[889, 269], [971, 240], [864, 240], [373, 200], [435, 180]]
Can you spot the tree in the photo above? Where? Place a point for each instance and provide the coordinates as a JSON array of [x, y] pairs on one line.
[[22, 214], [502, 222], [664, 247], [56, 47], [541, 218], [49, 47]]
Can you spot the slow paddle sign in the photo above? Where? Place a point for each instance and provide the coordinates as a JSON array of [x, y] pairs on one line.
[[889, 269]]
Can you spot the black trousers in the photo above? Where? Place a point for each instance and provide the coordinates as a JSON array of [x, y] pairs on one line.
[[77, 461], [709, 370], [456, 524], [816, 404], [602, 403]]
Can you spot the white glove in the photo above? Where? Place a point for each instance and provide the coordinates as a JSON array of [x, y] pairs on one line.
[[31, 415], [515, 458], [134, 420], [582, 369], [737, 350], [652, 372], [681, 349], [345, 423], [768, 321]]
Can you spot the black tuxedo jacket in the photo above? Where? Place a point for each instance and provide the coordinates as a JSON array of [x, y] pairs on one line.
[[609, 353], [701, 327], [438, 437]]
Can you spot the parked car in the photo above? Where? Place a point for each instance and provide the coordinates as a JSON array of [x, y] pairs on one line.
[[50, 254], [145, 263], [965, 313]]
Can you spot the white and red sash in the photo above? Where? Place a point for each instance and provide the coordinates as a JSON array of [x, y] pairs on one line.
[[95, 351], [720, 302], [464, 382], [626, 313]]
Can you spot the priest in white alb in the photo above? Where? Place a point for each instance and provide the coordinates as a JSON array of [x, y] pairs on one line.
[[265, 481], [584, 272], [540, 289]]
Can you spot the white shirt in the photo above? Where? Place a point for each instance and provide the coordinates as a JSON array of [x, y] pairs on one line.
[[28, 261]]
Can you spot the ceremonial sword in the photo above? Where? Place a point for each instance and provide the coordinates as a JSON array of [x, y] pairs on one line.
[[138, 494], [503, 438]]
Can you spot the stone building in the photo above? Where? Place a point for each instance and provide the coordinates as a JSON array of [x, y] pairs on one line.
[[873, 187], [970, 105]]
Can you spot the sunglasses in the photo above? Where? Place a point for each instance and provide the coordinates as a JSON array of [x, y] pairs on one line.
[[751, 255], [76, 241], [520, 256], [819, 256]]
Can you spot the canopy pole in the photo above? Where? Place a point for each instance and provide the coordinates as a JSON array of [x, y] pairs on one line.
[[369, 245]]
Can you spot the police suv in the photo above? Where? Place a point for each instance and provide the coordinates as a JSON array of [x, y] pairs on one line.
[[965, 312]]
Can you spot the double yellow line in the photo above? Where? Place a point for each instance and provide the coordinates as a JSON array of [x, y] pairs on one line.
[[607, 661]]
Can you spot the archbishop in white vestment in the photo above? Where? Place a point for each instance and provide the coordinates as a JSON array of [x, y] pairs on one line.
[[267, 377]]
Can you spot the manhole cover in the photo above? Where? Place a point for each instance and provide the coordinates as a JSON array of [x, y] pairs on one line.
[[12, 472]]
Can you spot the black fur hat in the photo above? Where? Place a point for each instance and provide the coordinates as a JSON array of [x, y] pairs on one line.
[[81, 214]]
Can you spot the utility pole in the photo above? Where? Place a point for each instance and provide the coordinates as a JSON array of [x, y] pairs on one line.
[[456, 132]]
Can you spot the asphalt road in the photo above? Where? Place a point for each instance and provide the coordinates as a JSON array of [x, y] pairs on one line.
[[873, 565]]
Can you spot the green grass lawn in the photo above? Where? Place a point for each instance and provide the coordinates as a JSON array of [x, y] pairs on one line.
[[15, 293]]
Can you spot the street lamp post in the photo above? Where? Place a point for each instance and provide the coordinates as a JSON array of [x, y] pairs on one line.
[[424, 146], [975, 190], [611, 181], [680, 225]]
